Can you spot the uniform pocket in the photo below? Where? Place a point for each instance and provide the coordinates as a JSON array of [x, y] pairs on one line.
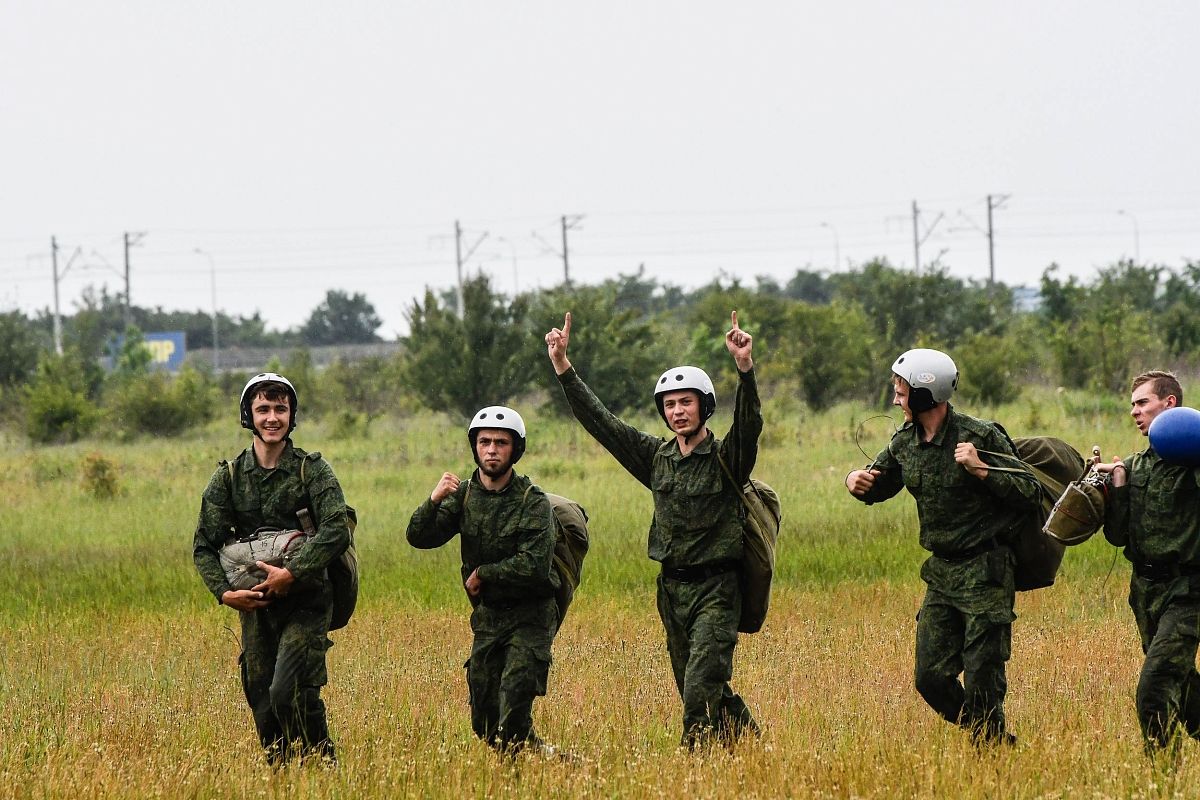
[[996, 567]]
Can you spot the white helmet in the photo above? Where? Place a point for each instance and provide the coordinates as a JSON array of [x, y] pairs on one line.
[[501, 418], [931, 374], [248, 396], [680, 378]]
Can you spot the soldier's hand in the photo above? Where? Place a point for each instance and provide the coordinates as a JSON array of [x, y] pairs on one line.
[[557, 340], [860, 481], [447, 486], [244, 599], [966, 455], [473, 583], [277, 583], [1118, 470], [739, 344]]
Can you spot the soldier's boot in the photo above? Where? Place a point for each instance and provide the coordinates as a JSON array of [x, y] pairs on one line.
[[696, 738], [990, 732], [271, 737], [733, 720], [944, 694]]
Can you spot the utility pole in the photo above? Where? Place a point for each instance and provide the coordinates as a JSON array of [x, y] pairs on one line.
[[918, 239], [916, 214], [57, 318], [131, 240], [459, 258], [568, 222], [58, 347], [458, 265], [993, 202]]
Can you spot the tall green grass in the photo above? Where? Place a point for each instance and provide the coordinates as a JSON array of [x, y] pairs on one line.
[[119, 677]]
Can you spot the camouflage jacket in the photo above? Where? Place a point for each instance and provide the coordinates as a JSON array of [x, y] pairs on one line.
[[958, 512], [1156, 514], [508, 535], [269, 498], [697, 511]]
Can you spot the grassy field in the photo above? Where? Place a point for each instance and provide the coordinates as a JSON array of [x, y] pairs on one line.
[[119, 673]]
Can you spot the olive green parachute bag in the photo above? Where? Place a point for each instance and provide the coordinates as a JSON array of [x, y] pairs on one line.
[[570, 548], [760, 532], [1054, 465], [239, 557], [570, 545]]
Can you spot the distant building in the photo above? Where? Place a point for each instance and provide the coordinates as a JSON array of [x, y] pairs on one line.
[[1026, 298]]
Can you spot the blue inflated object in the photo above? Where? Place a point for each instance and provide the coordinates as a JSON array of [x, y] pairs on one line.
[[1175, 436]]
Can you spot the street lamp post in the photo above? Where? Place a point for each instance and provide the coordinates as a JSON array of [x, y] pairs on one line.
[[1137, 238], [837, 246], [212, 271]]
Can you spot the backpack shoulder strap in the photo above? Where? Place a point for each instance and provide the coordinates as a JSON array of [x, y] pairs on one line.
[[738, 489]]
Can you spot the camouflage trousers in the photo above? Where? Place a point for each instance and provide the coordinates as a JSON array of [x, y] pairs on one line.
[[965, 626], [701, 622], [1168, 691], [509, 667], [283, 670]]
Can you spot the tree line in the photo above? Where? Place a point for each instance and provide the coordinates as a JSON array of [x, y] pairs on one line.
[[825, 337]]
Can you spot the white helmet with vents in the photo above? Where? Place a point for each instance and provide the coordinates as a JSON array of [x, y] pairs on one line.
[[931, 374], [683, 378], [499, 418]]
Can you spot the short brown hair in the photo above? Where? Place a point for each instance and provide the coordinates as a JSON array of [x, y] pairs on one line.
[[273, 391], [1163, 384]]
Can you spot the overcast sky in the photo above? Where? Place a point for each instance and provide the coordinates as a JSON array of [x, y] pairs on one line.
[[305, 146]]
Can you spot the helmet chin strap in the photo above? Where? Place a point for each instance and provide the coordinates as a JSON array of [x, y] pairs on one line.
[[920, 400], [700, 428]]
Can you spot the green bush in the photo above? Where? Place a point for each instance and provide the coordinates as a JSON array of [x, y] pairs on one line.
[[158, 404], [831, 348], [57, 408], [992, 368]]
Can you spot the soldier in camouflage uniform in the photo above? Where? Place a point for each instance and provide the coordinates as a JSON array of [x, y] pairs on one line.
[[507, 537], [285, 619], [1153, 511], [969, 515], [697, 532]]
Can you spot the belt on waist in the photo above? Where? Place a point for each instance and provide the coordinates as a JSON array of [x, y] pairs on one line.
[[970, 552], [699, 573], [1163, 572], [511, 604]]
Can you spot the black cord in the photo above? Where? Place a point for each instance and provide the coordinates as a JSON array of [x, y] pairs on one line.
[[858, 432]]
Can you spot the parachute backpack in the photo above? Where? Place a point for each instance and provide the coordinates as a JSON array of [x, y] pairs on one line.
[[275, 547], [1054, 465], [570, 545], [570, 548], [759, 536]]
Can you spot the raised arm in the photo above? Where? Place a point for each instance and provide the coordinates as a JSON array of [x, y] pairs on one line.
[[632, 448], [439, 517], [556, 345], [739, 448], [738, 343]]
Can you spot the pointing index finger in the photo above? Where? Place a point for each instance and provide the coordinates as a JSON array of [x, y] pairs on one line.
[[567, 324], [733, 317]]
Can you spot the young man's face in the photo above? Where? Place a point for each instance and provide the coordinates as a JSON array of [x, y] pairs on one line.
[[494, 449], [271, 418], [900, 398], [1145, 405], [682, 410]]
